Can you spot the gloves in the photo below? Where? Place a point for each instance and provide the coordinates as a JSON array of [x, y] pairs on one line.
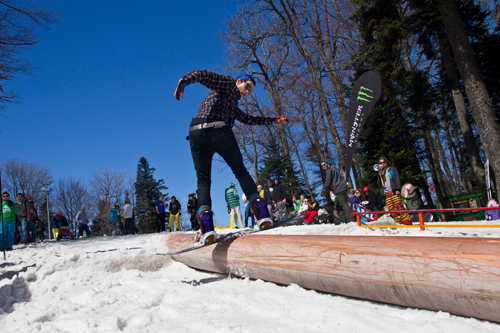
[[179, 91], [323, 193], [280, 120]]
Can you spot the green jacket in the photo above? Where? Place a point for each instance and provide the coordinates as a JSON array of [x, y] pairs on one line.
[[9, 211], [232, 198]]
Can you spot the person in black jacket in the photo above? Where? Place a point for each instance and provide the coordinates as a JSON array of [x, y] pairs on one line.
[[192, 207], [269, 197], [335, 182], [374, 203], [279, 195]]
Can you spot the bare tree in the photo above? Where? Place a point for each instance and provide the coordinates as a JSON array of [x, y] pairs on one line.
[[69, 196], [19, 26], [26, 177]]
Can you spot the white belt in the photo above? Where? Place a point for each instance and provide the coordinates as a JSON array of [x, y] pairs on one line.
[[208, 125]]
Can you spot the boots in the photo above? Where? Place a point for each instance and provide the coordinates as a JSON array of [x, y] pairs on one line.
[[206, 235], [259, 209]]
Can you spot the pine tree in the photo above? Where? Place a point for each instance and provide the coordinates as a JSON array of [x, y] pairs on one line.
[[147, 191], [274, 165]]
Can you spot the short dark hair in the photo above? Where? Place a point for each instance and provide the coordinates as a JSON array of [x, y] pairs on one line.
[[21, 195], [6, 193]]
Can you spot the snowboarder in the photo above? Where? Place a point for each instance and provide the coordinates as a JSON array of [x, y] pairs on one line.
[[210, 132]]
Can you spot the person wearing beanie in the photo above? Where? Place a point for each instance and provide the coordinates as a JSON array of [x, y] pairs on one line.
[[210, 132]]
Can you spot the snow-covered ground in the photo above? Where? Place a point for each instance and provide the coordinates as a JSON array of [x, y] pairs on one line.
[[109, 284]]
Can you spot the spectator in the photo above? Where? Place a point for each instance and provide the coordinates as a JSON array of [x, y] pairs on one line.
[[9, 212], [233, 201], [248, 213], [83, 223], [260, 190], [391, 182], [54, 227], [128, 215], [32, 234], [356, 198], [175, 212], [269, 198], [335, 182], [115, 220], [63, 226], [23, 213], [492, 214], [312, 211], [296, 204], [409, 196], [160, 214], [280, 199], [374, 203], [192, 208]]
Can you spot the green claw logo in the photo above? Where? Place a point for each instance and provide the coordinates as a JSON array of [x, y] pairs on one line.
[[363, 96]]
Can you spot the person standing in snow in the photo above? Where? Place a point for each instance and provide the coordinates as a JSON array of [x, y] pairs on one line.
[[83, 223], [192, 207], [160, 214], [279, 194], [391, 181], [335, 182], [128, 215], [9, 211], [23, 214], [115, 220], [175, 214], [233, 201], [210, 132]]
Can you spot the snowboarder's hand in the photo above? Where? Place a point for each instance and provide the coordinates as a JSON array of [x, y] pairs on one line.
[[179, 91], [280, 120]]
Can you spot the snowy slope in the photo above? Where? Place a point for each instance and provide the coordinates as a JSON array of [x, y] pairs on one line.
[[111, 284]]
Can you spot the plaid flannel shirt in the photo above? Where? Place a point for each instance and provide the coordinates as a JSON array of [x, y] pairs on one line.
[[222, 102]]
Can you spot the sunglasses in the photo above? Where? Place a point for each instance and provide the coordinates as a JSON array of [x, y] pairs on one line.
[[382, 163], [248, 87], [6, 196]]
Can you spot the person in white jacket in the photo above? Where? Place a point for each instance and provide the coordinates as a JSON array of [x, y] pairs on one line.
[[83, 223], [128, 216]]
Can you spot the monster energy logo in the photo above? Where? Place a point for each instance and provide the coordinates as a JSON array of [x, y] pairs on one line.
[[363, 96]]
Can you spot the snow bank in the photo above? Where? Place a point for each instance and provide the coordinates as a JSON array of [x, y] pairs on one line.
[[116, 284]]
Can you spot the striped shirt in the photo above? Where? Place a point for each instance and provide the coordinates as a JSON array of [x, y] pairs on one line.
[[222, 102]]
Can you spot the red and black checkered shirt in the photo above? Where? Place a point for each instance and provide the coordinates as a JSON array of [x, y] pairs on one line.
[[222, 102]]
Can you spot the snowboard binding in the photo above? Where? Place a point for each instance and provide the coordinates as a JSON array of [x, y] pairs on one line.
[[258, 206], [206, 235]]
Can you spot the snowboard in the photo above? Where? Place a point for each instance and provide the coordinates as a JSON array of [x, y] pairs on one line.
[[294, 220]]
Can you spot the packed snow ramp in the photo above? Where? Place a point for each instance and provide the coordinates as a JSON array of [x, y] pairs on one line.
[[457, 275]]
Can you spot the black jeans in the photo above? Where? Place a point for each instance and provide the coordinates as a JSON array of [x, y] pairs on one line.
[[128, 226], [204, 144], [83, 227], [160, 222]]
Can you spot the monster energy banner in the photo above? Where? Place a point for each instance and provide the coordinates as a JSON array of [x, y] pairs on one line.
[[365, 94]]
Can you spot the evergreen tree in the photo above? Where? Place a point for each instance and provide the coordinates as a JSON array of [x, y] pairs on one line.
[[274, 165], [147, 191]]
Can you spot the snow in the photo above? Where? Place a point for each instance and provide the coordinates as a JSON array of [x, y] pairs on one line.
[[111, 284]]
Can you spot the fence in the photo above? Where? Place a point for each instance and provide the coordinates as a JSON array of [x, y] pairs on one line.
[[421, 218]]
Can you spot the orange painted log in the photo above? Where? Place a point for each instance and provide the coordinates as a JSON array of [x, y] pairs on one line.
[[456, 275]]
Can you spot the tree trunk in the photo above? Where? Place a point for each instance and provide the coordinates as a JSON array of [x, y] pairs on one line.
[[485, 117], [461, 109]]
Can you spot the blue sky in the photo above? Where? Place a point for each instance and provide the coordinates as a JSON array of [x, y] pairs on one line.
[[102, 95]]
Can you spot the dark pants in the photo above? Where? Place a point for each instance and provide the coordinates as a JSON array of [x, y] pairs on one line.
[[160, 222], [129, 226], [194, 221], [204, 144], [343, 209], [83, 227]]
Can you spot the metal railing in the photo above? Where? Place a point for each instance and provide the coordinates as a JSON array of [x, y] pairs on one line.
[[422, 225]]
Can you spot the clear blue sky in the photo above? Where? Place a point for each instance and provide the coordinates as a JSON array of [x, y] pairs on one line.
[[103, 91]]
